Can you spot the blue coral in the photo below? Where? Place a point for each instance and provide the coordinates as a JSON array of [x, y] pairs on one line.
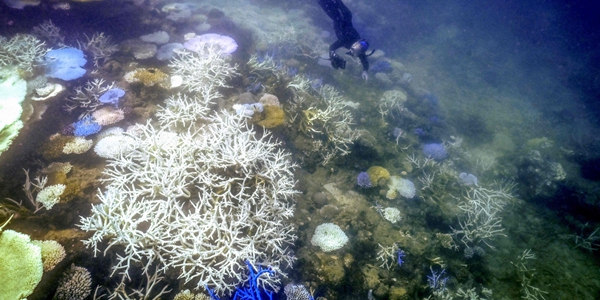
[[400, 254], [363, 180], [86, 126], [436, 282], [112, 96], [435, 151], [65, 64], [251, 291]]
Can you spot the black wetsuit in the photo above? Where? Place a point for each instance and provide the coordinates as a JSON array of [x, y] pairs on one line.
[[342, 24]]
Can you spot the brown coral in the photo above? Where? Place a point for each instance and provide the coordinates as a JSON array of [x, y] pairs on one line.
[[53, 148], [273, 116], [148, 77], [377, 173]]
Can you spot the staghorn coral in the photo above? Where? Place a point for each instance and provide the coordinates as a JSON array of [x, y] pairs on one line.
[[209, 196], [87, 98], [325, 118], [203, 71], [22, 51]]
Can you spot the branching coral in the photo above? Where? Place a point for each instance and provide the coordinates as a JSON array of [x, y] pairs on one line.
[[200, 198], [100, 46], [203, 70], [87, 97], [22, 51], [325, 117]]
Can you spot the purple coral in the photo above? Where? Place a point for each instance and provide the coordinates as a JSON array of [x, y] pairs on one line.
[[435, 151], [224, 43], [363, 180]]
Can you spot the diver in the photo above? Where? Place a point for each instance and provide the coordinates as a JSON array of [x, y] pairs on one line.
[[347, 36]]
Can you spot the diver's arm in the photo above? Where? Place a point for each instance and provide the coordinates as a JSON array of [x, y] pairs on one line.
[[365, 65]]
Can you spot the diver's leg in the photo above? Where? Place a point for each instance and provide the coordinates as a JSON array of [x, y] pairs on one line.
[[346, 14], [330, 7]]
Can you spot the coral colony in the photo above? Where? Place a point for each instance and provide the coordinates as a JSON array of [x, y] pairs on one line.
[[363, 180], [65, 64], [436, 282], [210, 197], [112, 96], [400, 254], [252, 290], [86, 126], [435, 151]]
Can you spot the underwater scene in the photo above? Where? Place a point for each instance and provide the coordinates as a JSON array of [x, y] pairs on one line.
[[301, 150]]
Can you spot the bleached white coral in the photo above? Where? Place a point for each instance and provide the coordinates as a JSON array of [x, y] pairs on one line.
[[22, 51], [108, 115], [392, 214], [52, 253], [401, 186], [184, 110], [78, 145], [326, 118], [329, 237], [203, 70], [111, 146], [50, 195], [200, 196]]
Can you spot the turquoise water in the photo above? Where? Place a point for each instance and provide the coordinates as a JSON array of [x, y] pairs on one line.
[[508, 89]]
